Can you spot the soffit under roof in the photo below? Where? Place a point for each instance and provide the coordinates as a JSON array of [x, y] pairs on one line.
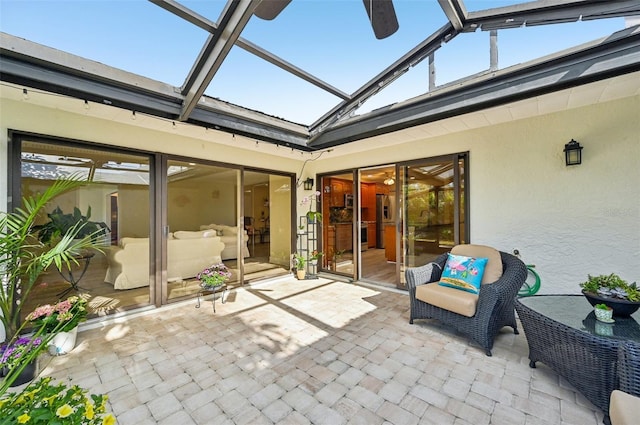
[[36, 66]]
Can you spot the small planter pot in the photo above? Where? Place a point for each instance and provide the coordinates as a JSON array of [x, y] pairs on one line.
[[301, 274], [63, 342], [28, 374], [604, 315]]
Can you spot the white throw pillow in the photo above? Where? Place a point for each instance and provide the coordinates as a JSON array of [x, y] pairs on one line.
[[186, 234]]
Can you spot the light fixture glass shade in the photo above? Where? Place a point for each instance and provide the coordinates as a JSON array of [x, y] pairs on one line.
[[308, 184], [389, 181], [573, 153]]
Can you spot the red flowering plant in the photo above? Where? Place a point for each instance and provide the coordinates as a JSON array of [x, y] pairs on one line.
[[214, 275], [60, 317]]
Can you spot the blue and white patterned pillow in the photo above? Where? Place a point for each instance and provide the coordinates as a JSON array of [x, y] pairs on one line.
[[464, 273]]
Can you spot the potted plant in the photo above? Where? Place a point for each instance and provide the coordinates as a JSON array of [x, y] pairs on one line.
[[23, 256], [63, 318], [42, 402], [60, 224], [213, 276], [312, 216], [603, 312], [19, 357], [301, 229], [300, 262], [613, 291], [315, 256]]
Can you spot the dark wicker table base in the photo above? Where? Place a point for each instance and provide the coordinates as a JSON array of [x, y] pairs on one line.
[[589, 362]]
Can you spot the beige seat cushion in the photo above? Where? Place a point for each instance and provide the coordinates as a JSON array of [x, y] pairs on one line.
[[455, 300], [493, 269], [624, 409]]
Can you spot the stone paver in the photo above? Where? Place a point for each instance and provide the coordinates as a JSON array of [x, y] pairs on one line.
[[312, 352]]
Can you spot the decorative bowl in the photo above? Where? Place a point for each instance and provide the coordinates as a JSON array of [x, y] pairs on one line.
[[622, 308]]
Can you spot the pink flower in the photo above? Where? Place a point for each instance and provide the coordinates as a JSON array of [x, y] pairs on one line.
[[63, 306], [42, 311]]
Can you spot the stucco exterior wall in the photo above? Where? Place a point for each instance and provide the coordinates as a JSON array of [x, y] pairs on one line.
[[568, 221], [118, 130]]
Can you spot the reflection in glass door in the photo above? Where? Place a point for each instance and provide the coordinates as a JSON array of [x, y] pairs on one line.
[[118, 276], [378, 225], [202, 219], [338, 209], [434, 208], [267, 225]]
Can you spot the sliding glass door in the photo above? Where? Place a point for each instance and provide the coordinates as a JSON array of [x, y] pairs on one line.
[[393, 216], [433, 209], [117, 199], [378, 258], [164, 220], [339, 211], [202, 220], [266, 229]]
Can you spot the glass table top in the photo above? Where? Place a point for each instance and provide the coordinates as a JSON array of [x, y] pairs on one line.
[[576, 312]]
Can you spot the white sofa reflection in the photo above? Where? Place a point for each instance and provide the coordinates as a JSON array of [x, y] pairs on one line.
[[229, 236], [188, 253]]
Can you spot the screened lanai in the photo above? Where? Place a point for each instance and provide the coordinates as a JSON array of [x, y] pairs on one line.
[[296, 80], [422, 124], [312, 74]]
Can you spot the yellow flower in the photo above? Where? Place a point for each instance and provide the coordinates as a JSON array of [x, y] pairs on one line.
[[64, 411], [89, 411], [50, 400], [23, 419], [108, 420]]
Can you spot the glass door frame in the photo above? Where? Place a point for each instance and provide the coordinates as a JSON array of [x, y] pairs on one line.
[[456, 159], [399, 208], [15, 145]]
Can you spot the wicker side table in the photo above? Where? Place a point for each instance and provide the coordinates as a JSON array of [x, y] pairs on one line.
[[562, 332]]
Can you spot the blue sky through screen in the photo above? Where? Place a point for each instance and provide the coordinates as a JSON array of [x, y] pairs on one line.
[[330, 39]]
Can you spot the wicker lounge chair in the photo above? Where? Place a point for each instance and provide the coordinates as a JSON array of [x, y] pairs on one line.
[[495, 304]]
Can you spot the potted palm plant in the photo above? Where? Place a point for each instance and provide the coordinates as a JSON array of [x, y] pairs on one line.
[[23, 256]]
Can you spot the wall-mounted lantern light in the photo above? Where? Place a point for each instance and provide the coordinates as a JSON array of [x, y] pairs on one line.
[[573, 153], [308, 184]]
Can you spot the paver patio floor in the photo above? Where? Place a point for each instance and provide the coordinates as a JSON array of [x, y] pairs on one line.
[[312, 352]]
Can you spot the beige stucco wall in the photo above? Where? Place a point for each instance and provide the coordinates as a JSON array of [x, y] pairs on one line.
[[569, 221]]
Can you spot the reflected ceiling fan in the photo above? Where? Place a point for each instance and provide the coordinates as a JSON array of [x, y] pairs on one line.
[[382, 14]]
